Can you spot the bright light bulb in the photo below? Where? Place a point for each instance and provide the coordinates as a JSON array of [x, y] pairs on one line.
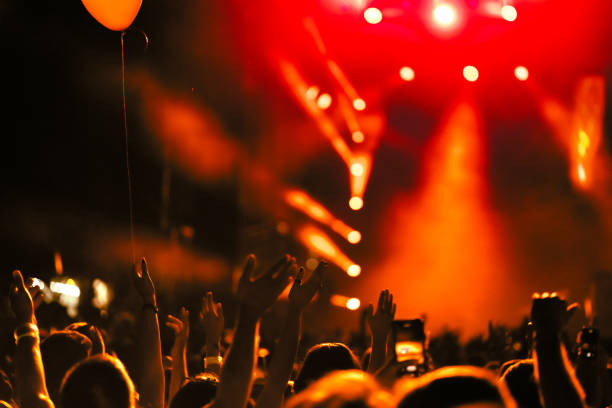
[[357, 169], [444, 14], [470, 73], [353, 270], [356, 203], [359, 104], [372, 15], [353, 304], [509, 13], [358, 136], [521, 73], [354, 237], [407, 74], [324, 101]]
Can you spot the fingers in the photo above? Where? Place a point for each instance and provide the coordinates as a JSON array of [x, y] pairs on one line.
[[280, 267], [317, 275], [370, 311], [393, 309], [219, 310], [300, 275], [247, 271], [144, 267], [18, 280]]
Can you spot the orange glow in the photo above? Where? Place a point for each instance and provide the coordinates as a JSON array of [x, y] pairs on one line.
[[508, 13], [342, 80], [59, 266], [444, 14], [324, 101], [354, 237], [581, 173], [373, 15], [521, 73], [318, 242], [358, 136], [312, 92], [303, 202], [407, 74], [345, 302], [447, 236], [470, 73], [115, 15], [359, 104], [356, 203]]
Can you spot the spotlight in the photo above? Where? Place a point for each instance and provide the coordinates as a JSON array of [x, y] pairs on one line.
[[508, 13], [359, 104], [470, 73], [445, 14], [324, 101], [354, 237], [353, 270], [356, 203], [372, 15], [407, 74], [353, 304], [358, 136], [357, 170], [521, 73]]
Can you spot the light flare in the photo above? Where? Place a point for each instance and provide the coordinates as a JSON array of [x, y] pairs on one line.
[[319, 243]]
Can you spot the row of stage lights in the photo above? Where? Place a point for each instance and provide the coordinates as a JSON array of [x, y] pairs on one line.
[[444, 14]]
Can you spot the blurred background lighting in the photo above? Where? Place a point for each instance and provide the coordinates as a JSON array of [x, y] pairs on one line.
[[407, 74], [353, 270], [353, 304], [356, 203], [470, 73], [358, 136], [444, 14], [521, 73], [324, 101], [508, 13], [354, 237], [359, 104]]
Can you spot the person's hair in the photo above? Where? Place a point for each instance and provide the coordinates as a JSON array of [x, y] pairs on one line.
[[196, 392], [521, 382], [100, 381], [342, 389], [322, 359], [93, 333], [60, 351], [451, 386]]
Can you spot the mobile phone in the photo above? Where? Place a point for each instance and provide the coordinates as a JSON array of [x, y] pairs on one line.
[[409, 341], [587, 341]]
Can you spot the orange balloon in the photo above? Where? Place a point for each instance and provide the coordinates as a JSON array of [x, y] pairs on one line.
[[115, 15]]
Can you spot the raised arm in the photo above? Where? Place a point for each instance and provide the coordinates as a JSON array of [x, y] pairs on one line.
[[213, 321], [150, 375], [380, 326], [558, 386], [284, 355], [255, 297], [30, 378], [180, 327]]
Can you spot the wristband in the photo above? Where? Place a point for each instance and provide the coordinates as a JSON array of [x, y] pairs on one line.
[[25, 330], [152, 306], [213, 360]]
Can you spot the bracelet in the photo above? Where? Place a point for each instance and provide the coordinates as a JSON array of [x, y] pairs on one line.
[[213, 360], [26, 330], [152, 306]]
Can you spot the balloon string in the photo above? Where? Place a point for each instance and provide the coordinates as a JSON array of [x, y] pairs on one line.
[[127, 153]]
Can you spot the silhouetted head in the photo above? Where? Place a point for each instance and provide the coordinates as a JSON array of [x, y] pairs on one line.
[[60, 351], [453, 387], [100, 381], [322, 359], [196, 392], [342, 389], [520, 381], [93, 333]]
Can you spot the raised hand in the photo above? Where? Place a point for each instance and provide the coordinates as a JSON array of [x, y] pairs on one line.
[[143, 282], [302, 292], [36, 293], [21, 300], [258, 294], [180, 327], [550, 312], [211, 315], [381, 321]]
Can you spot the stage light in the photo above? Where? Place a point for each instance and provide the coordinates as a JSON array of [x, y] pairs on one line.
[[508, 13], [356, 203], [444, 14], [357, 169], [312, 263], [358, 136], [583, 143], [407, 74], [59, 265], [354, 237], [359, 104], [312, 92], [372, 15], [353, 304], [324, 101], [470, 73], [581, 173], [353, 270], [521, 73]]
